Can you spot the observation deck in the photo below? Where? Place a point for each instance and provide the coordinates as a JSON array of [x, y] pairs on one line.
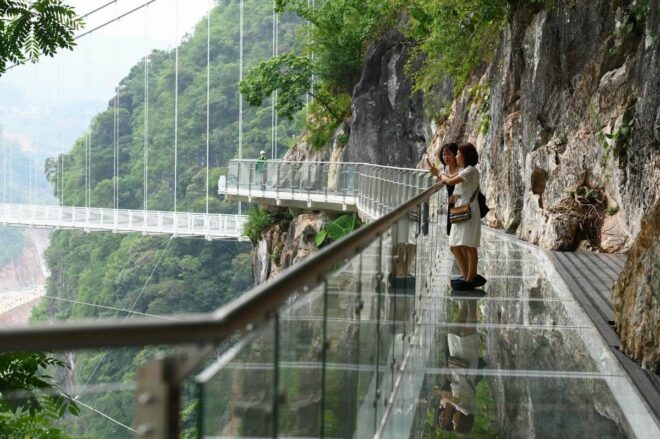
[[365, 338]]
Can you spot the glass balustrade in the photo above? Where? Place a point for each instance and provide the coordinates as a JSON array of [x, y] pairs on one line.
[[367, 338], [374, 190]]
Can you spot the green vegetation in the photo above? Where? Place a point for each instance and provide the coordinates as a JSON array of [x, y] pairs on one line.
[[617, 142], [452, 38], [485, 419], [30, 29], [31, 400], [337, 229], [331, 48], [258, 220]]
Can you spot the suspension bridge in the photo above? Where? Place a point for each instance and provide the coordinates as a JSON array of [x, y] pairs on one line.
[[99, 63]]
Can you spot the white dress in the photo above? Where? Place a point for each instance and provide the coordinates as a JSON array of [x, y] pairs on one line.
[[467, 233], [463, 386]]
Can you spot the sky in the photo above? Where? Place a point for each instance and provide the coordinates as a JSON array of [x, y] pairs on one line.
[[75, 85]]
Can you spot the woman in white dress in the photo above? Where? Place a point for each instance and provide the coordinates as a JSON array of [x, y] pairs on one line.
[[465, 237]]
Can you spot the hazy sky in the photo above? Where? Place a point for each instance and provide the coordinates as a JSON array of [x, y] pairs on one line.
[[75, 85]]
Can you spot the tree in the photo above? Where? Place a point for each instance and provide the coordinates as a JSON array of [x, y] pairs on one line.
[[31, 402], [330, 50], [28, 30]]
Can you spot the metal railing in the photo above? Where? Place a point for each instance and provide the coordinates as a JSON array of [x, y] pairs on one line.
[[381, 274], [121, 220], [371, 189]]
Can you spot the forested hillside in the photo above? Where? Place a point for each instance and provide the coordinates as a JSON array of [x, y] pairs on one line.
[[159, 275]]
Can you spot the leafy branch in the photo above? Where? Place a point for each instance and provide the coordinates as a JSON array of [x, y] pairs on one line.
[[31, 29]]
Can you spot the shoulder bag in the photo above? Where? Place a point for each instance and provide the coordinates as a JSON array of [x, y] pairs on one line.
[[462, 213]]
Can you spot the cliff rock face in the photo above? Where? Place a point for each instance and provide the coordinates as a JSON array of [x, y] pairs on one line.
[[286, 243], [388, 125], [29, 269], [567, 124], [636, 296]]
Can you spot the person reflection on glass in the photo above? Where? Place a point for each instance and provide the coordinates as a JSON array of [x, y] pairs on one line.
[[458, 403]]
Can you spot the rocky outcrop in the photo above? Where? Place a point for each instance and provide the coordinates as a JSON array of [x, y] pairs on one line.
[[636, 296], [28, 270], [302, 150], [286, 243], [388, 125], [569, 104]]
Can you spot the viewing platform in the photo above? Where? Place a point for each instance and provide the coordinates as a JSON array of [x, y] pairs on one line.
[[367, 337]]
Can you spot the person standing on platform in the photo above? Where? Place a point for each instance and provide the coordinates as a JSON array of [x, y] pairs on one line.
[[261, 169], [465, 235]]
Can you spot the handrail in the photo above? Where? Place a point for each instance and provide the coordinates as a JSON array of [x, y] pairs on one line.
[[320, 162], [244, 312]]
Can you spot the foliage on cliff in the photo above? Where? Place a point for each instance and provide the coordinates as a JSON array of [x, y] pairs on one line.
[[452, 38]]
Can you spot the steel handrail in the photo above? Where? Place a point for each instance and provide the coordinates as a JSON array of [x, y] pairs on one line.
[[330, 163], [245, 312]]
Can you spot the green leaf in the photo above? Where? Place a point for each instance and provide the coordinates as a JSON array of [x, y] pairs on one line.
[[320, 238], [341, 226]]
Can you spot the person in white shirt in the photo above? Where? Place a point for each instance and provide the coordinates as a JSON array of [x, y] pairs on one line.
[[465, 237]]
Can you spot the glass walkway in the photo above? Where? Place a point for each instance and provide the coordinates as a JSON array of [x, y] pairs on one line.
[[366, 339]]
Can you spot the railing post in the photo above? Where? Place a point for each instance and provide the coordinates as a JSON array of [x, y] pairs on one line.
[[277, 182], [327, 181], [156, 402], [158, 392], [238, 177], [309, 186], [250, 174]]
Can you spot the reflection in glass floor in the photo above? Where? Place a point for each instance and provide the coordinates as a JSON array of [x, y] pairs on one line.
[[517, 359], [358, 357]]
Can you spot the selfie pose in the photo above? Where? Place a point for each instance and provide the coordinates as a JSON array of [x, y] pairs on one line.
[[465, 234]]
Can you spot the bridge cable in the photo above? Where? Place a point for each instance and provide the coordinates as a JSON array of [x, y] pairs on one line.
[[112, 308], [176, 98], [146, 114], [146, 283], [4, 167], [59, 189], [273, 98], [11, 164], [240, 94], [94, 29], [78, 401], [277, 47], [115, 131], [88, 186], [208, 106]]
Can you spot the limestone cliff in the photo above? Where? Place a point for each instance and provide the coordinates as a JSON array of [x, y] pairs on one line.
[[28, 270], [567, 124], [285, 243], [565, 118], [636, 296]]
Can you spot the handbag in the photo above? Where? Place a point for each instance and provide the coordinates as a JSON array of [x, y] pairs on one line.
[[462, 213]]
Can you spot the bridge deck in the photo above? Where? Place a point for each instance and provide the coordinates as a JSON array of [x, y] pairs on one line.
[[210, 226], [590, 277]]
